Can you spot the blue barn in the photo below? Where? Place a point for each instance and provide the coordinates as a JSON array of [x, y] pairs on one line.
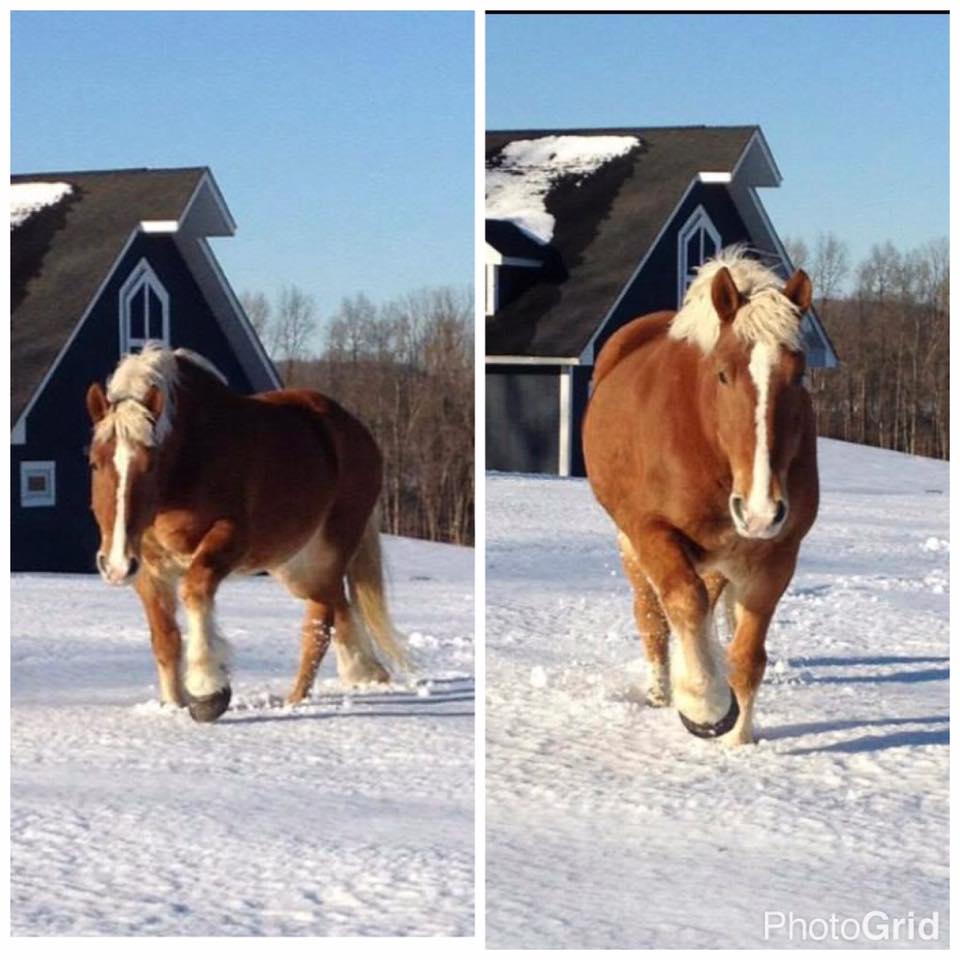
[[101, 262], [587, 229]]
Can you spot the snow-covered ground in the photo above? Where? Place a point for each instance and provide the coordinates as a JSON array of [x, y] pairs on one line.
[[349, 815], [609, 826]]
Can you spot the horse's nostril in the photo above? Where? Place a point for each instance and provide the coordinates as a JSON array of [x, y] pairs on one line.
[[101, 562], [781, 512], [736, 504], [134, 567]]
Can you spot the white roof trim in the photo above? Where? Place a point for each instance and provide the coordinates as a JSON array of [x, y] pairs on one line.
[[207, 186], [208, 181], [531, 361], [759, 141], [210, 262], [707, 176], [832, 360], [493, 257], [159, 226]]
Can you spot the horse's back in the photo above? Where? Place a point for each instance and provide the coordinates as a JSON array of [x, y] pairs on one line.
[[347, 441], [629, 338]]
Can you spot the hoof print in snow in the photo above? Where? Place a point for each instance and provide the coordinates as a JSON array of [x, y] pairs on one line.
[[207, 709], [708, 731]]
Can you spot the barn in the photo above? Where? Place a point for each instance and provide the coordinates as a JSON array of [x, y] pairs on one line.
[[101, 262], [587, 229]]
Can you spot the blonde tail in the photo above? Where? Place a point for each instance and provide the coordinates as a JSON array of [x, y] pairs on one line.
[[367, 595]]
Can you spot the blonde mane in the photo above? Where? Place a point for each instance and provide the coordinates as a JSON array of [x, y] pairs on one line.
[[767, 316], [135, 376]]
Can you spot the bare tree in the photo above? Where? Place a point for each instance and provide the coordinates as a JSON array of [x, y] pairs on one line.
[[295, 323], [892, 334], [797, 252], [257, 308], [829, 266]]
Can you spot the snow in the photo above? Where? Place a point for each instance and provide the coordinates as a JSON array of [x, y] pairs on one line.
[[516, 189], [26, 199], [349, 815], [609, 826]]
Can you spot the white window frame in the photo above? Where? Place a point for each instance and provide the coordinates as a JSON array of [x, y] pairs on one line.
[[33, 468], [142, 277], [698, 221]]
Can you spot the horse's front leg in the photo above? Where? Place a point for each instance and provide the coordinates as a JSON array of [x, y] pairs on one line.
[[652, 625], [206, 678], [159, 600], [700, 692], [754, 606]]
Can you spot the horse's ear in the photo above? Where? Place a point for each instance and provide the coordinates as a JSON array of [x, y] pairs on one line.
[[97, 403], [154, 402], [799, 291], [727, 299]]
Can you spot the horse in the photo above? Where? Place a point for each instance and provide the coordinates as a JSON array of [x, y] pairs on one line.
[[700, 443], [192, 482]]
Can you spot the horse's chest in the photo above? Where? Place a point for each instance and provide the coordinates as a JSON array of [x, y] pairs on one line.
[[169, 548]]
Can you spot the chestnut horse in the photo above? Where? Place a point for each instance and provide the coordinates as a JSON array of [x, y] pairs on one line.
[[700, 443], [192, 482]]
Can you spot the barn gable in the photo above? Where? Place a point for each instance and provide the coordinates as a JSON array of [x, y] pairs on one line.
[[120, 258]]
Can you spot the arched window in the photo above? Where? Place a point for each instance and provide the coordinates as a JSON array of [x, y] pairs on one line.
[[697, 241], [144, 310]]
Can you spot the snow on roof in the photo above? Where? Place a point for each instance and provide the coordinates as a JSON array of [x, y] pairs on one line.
[[517, 186], [26, 199]]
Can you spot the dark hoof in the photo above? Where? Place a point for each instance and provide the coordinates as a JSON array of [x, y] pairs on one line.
[[207, 709], [711, 730]]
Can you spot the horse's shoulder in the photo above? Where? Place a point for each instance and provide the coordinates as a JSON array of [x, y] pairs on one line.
[[629, 338]]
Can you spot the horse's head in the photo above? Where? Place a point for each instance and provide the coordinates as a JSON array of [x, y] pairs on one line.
[[757, 369], [123, 484]]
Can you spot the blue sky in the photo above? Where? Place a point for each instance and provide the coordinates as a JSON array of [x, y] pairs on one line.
[[854, 107], [343, 142]]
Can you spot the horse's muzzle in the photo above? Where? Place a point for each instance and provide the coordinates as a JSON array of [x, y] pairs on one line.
[[114, 576], [760, 526]]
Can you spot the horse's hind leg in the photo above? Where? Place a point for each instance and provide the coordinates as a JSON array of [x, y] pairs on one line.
[[159, 600], [315, 637], [652, 624], [356, 661], [317, 575]]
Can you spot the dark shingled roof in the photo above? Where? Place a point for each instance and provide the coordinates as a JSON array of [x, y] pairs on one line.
[[605, 224], [61, 255]]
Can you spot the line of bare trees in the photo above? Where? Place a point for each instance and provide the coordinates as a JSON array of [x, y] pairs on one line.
[[406, 368], [889, 320]]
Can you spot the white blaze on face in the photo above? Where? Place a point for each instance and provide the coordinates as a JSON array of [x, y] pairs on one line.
[[118, 545], [762, 358]]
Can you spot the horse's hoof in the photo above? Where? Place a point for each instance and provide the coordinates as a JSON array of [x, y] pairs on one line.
[[709, 731], [207, 709]]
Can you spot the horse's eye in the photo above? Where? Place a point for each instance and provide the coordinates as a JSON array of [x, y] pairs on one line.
[[721, 376]]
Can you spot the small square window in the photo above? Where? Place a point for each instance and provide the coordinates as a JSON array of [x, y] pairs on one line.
[[38, 483]]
